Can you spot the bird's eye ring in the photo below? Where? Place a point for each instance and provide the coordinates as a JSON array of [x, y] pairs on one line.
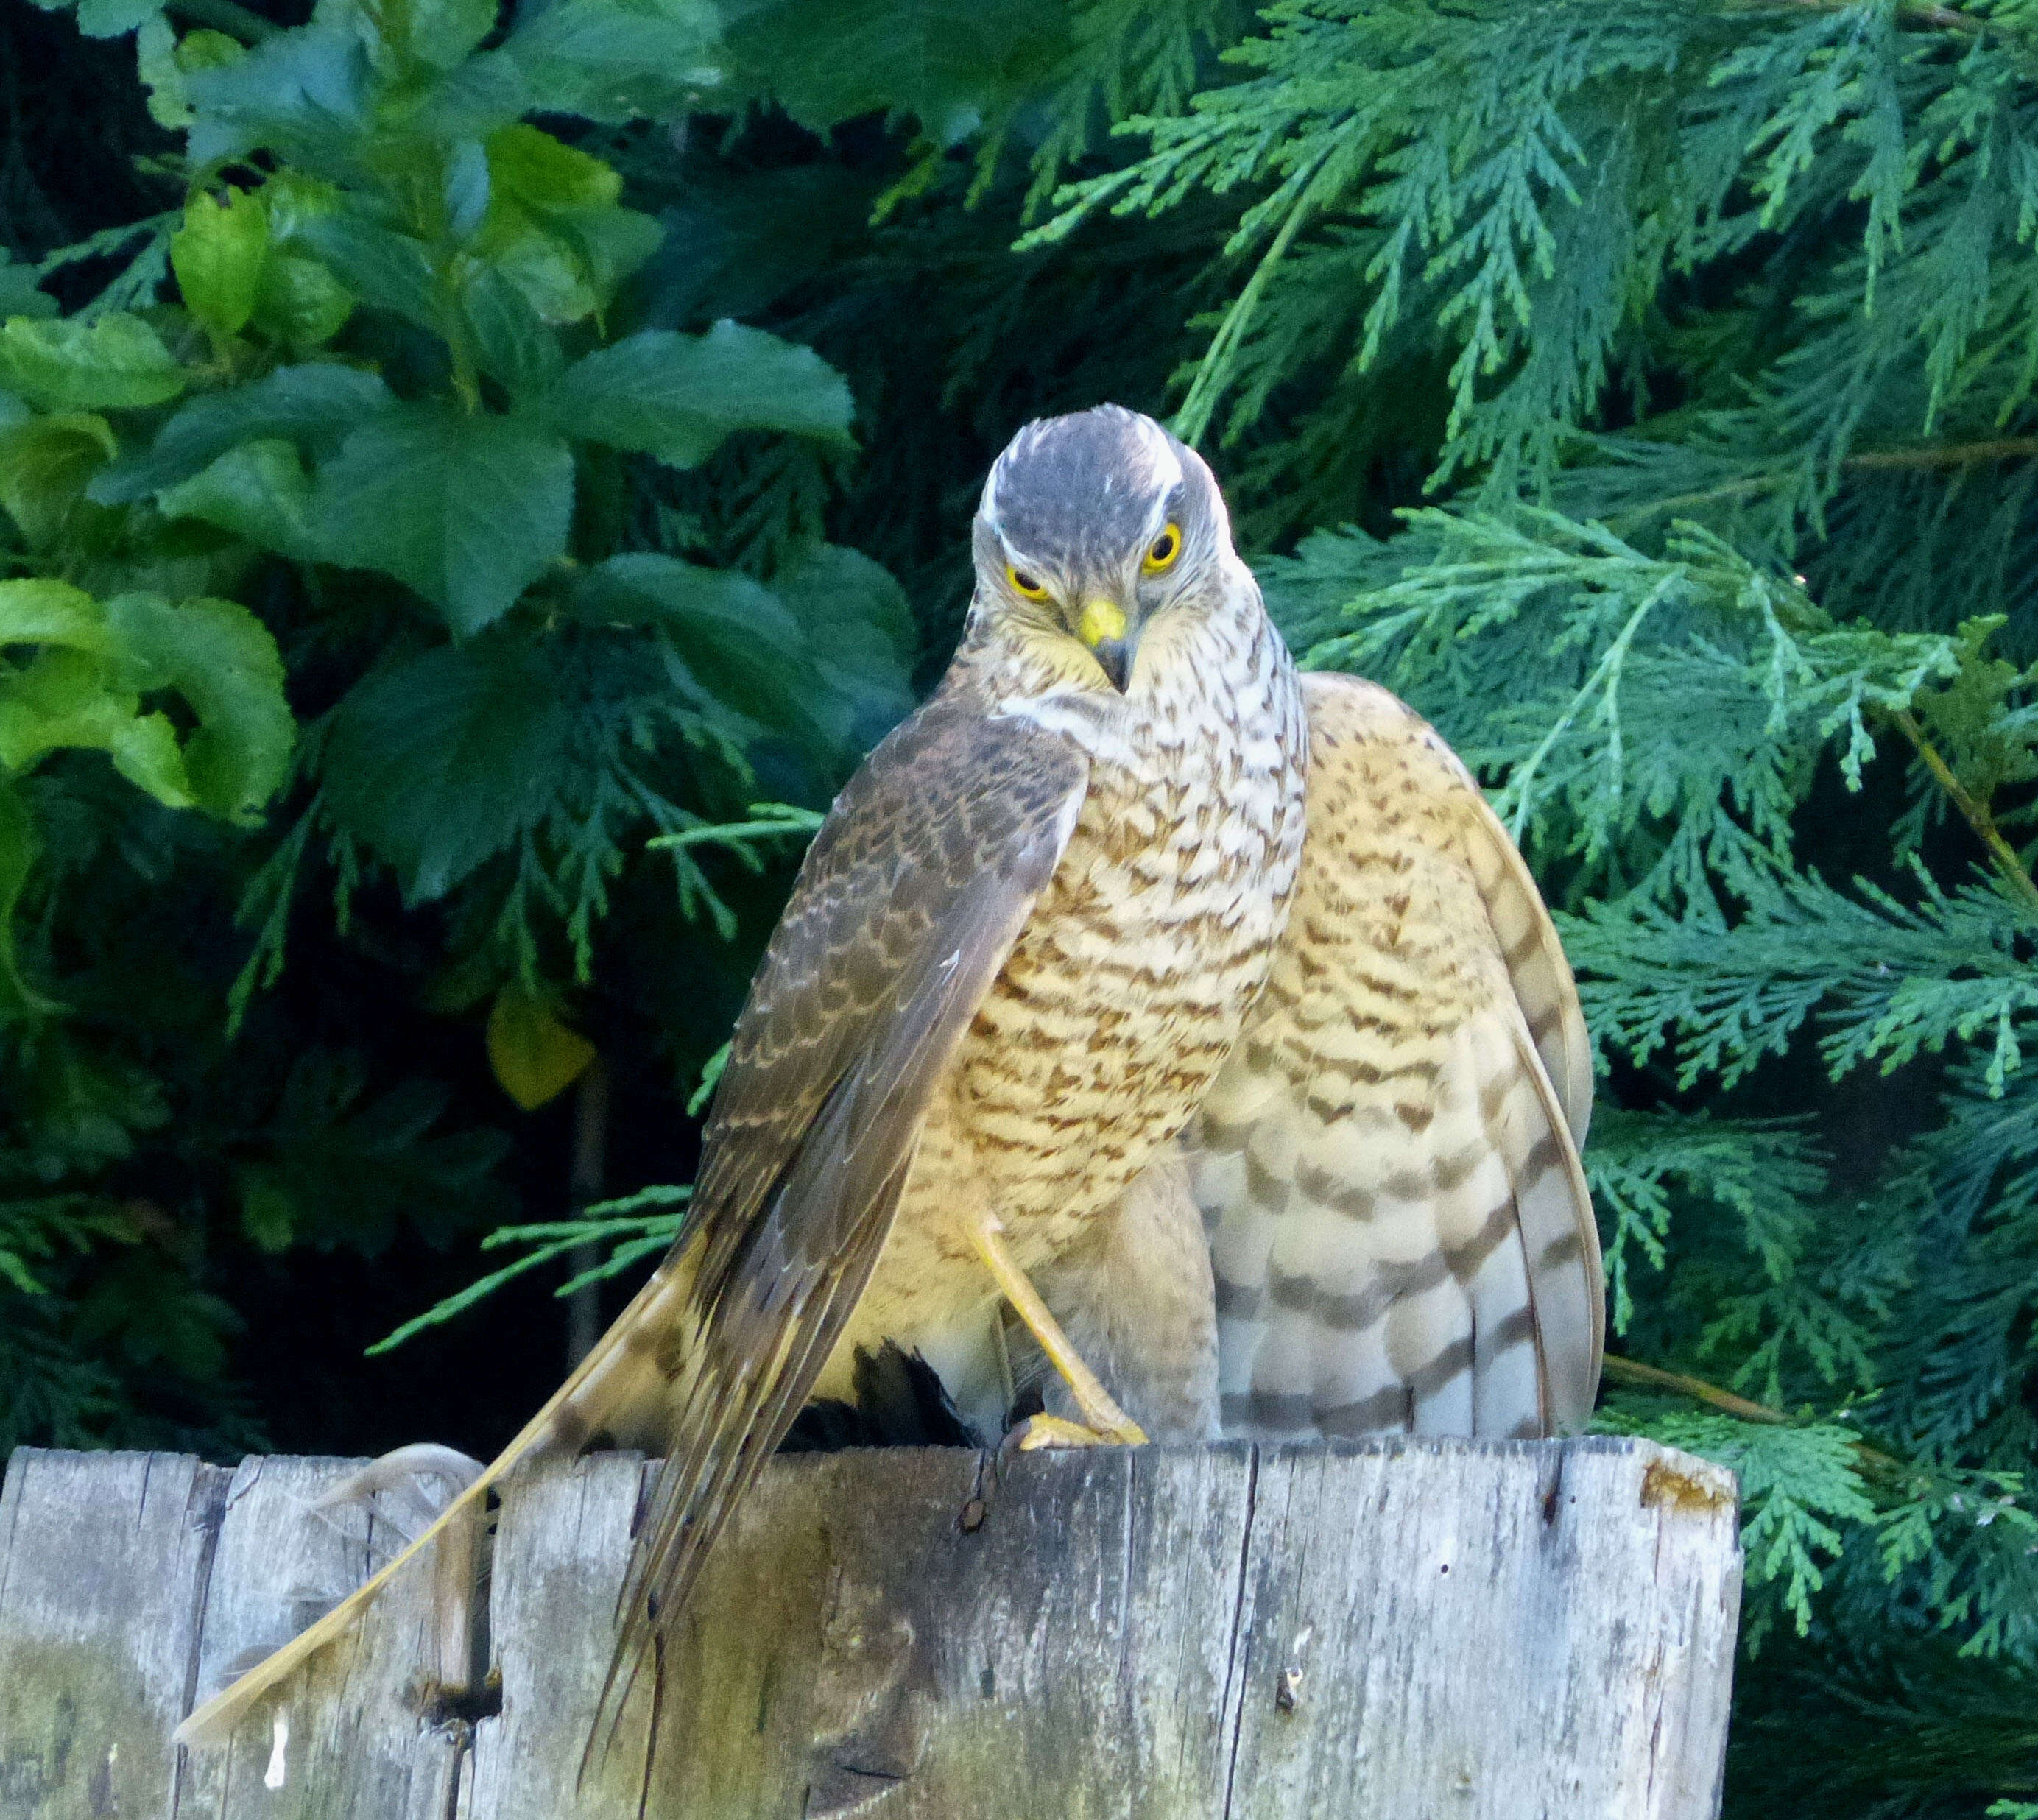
[[1160, 554], [1025, 584]]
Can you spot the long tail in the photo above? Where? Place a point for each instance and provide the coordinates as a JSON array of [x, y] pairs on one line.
[[609, 1391]]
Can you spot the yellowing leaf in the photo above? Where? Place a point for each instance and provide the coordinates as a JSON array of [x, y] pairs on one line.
[[535, 1055], [218, 254]]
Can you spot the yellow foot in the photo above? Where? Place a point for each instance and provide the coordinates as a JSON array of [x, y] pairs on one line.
[[1038, 1431]]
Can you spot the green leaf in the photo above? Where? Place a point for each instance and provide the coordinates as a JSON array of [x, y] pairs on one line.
[[224, 662], [742, 646], [259, 491], [613, 60], [531, 166], [677, 396], [112, 18], [117, 363], [308, 93], [440, 762], [512, 343], [299, 302], [381, 267], [217, 256], [951, 62], [67, 696], [18, 294], [859, 626], [553, 227], [45, 462], [42, 611], [313, 406], [468, 510], [442, 33]]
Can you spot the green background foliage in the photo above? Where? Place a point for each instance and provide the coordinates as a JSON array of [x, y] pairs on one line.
[[473, 482]]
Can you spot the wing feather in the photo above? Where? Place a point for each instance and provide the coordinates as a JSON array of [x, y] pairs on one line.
[[1401, 1233], [906, 907]]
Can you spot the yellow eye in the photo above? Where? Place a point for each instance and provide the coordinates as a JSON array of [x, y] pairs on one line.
[[1024, 584], [1160, 554]]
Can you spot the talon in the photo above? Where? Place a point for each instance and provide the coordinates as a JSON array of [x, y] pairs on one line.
[[1038, 1431]]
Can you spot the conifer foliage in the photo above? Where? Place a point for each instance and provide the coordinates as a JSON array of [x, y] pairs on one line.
[[456, 538]]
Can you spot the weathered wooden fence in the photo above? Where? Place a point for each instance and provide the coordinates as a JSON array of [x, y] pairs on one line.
[[1394, 1631]]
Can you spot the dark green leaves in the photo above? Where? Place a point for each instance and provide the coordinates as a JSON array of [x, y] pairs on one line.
[[440, 762], [677, 396], [469, 510], [313, 406]]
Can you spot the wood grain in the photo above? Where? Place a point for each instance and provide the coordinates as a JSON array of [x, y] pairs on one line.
[[1402, 1628]]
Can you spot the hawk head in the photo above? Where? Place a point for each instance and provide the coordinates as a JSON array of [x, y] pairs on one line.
[[1091, 527]]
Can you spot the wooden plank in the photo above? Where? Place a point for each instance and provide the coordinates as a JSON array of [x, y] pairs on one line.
[[356, 1732], [104, 1561], [1531, 1631], [1394, 1629], [1495, 1631]]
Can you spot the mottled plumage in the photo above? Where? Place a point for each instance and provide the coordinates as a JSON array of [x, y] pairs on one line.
[[1017, 955], [1400, 1229]]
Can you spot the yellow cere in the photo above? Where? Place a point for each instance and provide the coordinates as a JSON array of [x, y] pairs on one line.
[[1160, 554], [1101, 619]]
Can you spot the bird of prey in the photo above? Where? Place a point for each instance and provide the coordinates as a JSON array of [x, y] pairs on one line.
[[1399, 1234], [1018, 953]]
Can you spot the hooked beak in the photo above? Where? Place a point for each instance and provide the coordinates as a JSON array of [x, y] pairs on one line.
[[1106, 631]]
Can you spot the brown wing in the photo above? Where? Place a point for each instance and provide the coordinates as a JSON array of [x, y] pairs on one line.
[[908, 902], [1400, 1228]]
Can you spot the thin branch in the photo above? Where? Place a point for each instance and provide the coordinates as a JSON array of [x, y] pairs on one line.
[[1633, 1372], [1975, 811], [1922, 455]]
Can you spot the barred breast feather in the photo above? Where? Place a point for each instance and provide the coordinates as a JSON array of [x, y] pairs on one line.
[[1388, 1166]]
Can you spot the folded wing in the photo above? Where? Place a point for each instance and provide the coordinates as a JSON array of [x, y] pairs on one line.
[[1388, 1166], [908, 902]]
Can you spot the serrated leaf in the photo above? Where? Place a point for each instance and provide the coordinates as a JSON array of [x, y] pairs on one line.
[[217, 256], [259, 491], [306, 92], [224, 662], [18, 294], [117, 363], [739, 643], [859, 626], [45, 462], [535, 1057], [677, 396], [468, 510], [313, 405], [111, 18], [512, 344], [951, 63], [299, 302], [612, 61], [532, 167], [156, 62], [379, 265], [66, 697], [41, 610], [440, 762], [442, 33]]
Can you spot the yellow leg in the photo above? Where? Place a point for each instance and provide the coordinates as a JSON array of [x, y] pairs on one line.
[[1107, 1423]]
